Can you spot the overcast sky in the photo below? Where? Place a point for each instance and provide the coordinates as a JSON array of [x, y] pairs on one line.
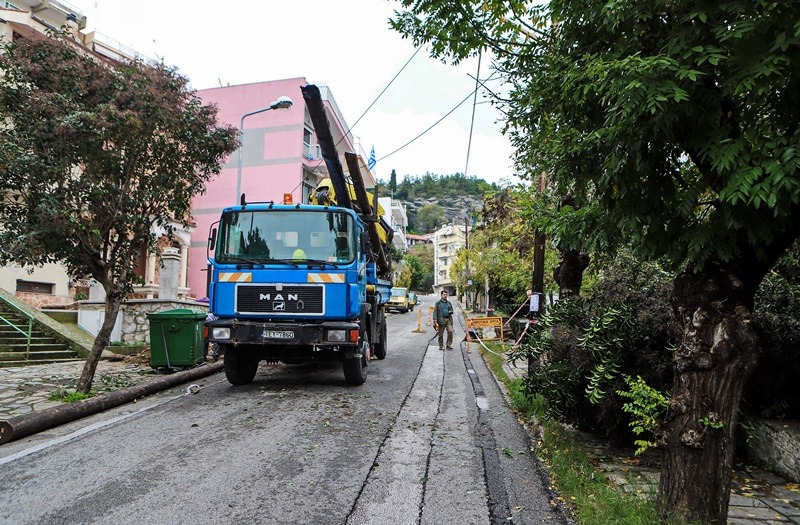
[[345, 44]]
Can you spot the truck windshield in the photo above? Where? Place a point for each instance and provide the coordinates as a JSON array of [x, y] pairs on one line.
[[265, 236], [398, 292]]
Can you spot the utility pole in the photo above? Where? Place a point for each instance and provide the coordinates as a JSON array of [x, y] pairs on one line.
[[537, 283], [466, 244]]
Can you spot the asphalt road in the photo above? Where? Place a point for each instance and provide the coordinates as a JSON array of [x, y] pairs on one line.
[[427, 440]]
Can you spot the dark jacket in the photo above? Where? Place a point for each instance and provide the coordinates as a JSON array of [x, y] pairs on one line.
[[439, 311]]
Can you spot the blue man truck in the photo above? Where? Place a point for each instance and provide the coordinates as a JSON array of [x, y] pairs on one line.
[[302, 282]]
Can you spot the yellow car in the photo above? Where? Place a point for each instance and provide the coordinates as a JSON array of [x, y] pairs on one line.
[[399, 300]]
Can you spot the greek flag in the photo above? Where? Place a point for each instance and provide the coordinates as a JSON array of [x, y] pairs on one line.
[[371, 162]]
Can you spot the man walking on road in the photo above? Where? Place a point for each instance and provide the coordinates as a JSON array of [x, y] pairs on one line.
[[443, 320]]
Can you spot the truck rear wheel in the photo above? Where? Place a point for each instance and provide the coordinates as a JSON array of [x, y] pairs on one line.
[[355, 368], [379, 348], [240, 366]]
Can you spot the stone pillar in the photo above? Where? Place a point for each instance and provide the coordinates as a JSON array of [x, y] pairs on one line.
[[96, 291], [182, 280], [170, 273], [150, 271]]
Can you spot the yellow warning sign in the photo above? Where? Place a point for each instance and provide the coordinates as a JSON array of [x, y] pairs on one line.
[[485, 322], [484, 325]]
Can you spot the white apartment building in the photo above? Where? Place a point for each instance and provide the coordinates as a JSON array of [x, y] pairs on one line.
[[447, 240], [394, 213]]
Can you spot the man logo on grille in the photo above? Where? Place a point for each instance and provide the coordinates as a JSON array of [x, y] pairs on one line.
[[279, 307], [278, 297]]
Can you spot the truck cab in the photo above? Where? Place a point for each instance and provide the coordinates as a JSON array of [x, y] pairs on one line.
[[289, 283]]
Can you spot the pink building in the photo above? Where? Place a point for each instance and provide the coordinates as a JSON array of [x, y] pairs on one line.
[[279, 154]]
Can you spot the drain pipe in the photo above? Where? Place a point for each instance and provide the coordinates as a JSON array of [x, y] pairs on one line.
[[21, 426]]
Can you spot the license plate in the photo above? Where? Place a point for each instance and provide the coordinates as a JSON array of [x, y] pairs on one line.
[[277, 334]]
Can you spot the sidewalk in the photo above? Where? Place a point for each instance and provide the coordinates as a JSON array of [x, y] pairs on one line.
[[29, 388], [758, 497]]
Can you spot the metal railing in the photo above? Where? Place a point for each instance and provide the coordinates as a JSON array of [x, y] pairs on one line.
[[17, 328]]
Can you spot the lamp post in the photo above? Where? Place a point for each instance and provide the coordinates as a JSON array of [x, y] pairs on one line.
[[281, 103]]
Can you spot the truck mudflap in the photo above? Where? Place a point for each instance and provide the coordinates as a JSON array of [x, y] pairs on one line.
[[328, 334]]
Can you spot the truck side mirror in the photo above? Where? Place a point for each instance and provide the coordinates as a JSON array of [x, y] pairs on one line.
[[212, 240], [364, 244]]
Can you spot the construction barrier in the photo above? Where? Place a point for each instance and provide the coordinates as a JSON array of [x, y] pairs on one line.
[[430, 315], [481, 323], [419, 329]]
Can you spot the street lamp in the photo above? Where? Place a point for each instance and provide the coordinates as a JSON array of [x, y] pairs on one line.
[[281, 103]]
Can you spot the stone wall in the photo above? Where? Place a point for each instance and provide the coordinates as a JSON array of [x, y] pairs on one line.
[[776, 445], [43, 300], [135, 325]]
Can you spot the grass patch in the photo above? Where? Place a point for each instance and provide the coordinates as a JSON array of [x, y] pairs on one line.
[[66, 396], [494, 361], [104, 383], [587, 492]]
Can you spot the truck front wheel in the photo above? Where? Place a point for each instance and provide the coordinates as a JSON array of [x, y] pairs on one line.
[[355, 368], [240, 366], [379, 348]]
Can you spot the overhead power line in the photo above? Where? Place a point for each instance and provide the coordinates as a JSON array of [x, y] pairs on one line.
[[474, 103], [471, 93]]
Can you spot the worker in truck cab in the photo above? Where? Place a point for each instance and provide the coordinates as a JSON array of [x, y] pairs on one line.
[[443, 320]]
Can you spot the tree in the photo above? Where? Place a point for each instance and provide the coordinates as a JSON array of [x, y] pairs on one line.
[[500, 248], [676, 122], [405, 277], [421, 259], [393, 183], [430, 217], [93, 155]]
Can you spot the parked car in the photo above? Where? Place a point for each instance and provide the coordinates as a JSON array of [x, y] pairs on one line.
[[399, 300]]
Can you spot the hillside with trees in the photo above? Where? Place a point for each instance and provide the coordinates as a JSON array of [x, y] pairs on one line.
[[432, 200]]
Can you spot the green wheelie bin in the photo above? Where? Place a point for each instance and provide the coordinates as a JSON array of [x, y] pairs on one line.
[[176, 339]]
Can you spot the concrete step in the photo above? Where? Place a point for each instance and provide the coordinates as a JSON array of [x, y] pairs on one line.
[[22, 324], [33, 361], [35, 346], [19, 340], [38, 355]]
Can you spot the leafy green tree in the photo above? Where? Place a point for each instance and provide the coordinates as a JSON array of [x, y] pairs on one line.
[[421, 258], [405, 277], [676, 123], [393, 182], [430, 217], [500, 248], [93, 155]]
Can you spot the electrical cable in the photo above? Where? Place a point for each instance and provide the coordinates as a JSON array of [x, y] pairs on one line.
[[346, 133], [474, 104], [434, 124]]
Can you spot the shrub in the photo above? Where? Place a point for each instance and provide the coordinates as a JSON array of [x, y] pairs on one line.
[[580, 351]]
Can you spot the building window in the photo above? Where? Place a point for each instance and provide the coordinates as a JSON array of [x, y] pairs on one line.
[[34, 287], [310, 150]]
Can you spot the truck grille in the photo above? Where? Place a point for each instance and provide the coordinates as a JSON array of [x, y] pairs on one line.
[[290, 299]]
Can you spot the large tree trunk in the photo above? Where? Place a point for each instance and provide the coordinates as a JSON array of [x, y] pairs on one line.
[[569, 273], [716, 355], [113, 302]]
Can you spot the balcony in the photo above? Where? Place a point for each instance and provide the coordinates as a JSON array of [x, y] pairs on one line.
[[50, 12], [115, 50], [312, 151]]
